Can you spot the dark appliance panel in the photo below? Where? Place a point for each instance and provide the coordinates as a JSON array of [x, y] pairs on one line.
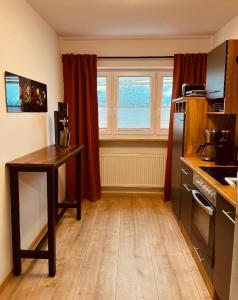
[[219, 173], [178, 134]]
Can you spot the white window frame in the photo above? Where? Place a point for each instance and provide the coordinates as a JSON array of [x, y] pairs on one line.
[[131, 131], [155, 132], [107, 130], [160, 74]]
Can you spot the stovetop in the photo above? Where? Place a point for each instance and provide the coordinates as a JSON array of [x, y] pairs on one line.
[[219, 173]]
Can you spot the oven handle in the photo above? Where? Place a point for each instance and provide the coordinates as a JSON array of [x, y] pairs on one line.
[[208, 209]]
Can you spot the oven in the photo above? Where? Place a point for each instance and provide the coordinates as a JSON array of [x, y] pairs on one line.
[[203, 223]]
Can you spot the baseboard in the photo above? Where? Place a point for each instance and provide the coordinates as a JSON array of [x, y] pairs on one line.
[[120, 191], [32, 246], [6, 281], [39, 237]]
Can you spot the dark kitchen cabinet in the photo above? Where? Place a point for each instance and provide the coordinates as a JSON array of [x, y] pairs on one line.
[[186, 198], [224, 237], [222, 79]]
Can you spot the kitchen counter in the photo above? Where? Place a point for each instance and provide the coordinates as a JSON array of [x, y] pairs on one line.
[[227, 192]]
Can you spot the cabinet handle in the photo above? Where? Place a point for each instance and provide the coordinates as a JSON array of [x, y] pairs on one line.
[[185, 172], [196, 251], [186, 187], [227, 214]]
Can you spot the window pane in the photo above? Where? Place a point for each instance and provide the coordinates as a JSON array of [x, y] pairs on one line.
[[166, 102], [134, 103], [102, 101]]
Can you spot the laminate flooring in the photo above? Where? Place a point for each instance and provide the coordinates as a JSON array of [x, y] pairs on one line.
[[124, 248]]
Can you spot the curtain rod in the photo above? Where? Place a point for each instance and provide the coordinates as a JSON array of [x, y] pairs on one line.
[[135, 57]]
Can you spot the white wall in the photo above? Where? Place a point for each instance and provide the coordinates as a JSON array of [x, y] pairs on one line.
[[229, 31], [135, 47], [28, 47]]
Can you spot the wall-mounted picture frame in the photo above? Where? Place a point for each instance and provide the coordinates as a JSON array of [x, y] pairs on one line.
[[24, 94]]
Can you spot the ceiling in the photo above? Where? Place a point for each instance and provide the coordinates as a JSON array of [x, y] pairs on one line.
[[127, 18]]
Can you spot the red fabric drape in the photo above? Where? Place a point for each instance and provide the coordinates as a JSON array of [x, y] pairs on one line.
[[80, 91], [191, 69]]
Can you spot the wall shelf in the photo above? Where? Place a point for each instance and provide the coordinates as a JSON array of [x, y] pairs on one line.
[[215, 113]]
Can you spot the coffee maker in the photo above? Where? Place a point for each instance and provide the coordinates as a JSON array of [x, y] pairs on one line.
[[223, 147], [207, 149], [61, 118]]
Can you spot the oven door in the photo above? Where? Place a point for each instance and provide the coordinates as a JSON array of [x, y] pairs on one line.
[[203, 227]]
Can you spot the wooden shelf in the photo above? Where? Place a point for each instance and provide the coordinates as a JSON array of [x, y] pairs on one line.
[[182, 103], [215, 112]]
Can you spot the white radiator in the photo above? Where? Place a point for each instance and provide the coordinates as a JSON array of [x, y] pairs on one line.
[[132, 170]]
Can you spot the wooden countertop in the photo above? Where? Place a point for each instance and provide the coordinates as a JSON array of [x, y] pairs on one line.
[[50, 156], [228, 192]]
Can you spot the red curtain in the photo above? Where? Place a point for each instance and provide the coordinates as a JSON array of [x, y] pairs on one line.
[[80, 91], [191, 69]]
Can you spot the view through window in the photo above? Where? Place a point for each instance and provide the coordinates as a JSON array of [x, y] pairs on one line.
[[134, 102], [102, 101]]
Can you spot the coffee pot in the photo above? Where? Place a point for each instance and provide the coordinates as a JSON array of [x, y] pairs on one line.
[[207, 149]]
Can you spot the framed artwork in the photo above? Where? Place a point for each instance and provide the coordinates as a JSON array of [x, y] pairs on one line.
[[25, 95]]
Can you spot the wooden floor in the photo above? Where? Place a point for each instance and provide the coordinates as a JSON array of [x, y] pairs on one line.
[[124, 248]]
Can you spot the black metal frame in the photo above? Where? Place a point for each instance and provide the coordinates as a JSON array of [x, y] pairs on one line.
[[52, 212]]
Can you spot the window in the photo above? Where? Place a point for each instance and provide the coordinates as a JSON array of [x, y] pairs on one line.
[[102, 101], [134, 104], [167, 82]]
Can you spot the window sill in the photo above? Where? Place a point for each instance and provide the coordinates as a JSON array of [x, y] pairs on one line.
[[163, 138]]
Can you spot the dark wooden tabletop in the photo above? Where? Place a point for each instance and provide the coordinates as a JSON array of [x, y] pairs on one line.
[[50, 156]]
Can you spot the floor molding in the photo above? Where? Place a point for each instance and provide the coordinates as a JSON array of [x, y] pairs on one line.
[[32, 246], [120, 191]]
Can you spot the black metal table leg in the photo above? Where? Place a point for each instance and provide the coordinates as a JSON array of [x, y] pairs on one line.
[[56, 193], [15, 219], [44, 160], [78, 184], [51, 181]]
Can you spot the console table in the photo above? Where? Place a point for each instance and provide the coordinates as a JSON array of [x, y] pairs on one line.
[[46, 160]]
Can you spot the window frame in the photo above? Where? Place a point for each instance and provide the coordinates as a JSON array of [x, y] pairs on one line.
[[153, 133], [132, 131], [107, 130], [159, 90]]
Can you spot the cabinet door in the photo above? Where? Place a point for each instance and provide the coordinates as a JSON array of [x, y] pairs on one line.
[[178, 133], [186, 198], [224, 237], [231, 82]]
